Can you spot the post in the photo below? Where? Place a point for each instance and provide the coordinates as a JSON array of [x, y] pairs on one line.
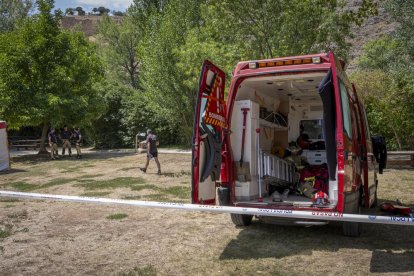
[[136, 143], [259, 165]]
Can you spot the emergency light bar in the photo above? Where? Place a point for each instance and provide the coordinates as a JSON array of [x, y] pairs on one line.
[[255, 65], [315, 215]]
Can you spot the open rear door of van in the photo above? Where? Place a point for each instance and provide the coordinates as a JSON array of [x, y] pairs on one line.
[[209, 123]]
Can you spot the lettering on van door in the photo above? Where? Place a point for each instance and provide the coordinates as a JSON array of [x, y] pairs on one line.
[[215, 110]]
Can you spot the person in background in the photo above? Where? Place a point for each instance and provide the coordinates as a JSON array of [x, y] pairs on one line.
[[66, 135], [53, 144], [77, 136], [303, 140], [152, 151]]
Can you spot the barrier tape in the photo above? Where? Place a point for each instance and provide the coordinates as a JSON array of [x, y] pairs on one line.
[[312, 215]]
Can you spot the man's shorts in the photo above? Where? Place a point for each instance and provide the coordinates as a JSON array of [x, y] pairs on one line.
[[154, 154]]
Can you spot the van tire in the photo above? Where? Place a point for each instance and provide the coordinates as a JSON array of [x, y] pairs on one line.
[[241, 220], [353, 229]]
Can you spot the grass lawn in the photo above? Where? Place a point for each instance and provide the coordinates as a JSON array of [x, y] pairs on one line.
[[44, 237]]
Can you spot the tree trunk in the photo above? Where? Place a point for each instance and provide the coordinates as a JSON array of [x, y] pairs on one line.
[[42, 149], [397, 138]]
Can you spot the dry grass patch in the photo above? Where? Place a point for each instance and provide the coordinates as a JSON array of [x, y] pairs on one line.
[[170, 242], [95, 194]]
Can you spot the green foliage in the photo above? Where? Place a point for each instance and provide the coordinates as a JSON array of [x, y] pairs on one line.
[[180, 35], [47, 75], [5, 233], [162, 81], [388, 109], [386, 76], [80, 11], [70, 11], [12, 11], [119, 41], [126, 114], [402, 12]]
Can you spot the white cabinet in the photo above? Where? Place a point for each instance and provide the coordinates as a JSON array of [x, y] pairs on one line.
[[315, 157], [245, 190]]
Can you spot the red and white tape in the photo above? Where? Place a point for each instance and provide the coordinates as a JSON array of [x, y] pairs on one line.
[[312, 215]]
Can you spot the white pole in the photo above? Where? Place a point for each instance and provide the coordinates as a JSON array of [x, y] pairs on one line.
[[314, 215], [259, 164], [136, 142]]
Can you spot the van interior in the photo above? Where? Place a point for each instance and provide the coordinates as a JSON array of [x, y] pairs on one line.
[[284, 159]]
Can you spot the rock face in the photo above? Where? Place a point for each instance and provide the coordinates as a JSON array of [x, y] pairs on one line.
[[371, 29], [87, 24]]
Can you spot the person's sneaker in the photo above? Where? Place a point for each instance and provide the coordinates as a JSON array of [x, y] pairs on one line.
[[143, 170], [159, 173]]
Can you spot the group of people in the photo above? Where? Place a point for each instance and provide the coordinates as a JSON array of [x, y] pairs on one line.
[[67, 137]]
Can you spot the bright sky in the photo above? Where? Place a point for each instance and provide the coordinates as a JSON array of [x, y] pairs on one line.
[[88, 5]]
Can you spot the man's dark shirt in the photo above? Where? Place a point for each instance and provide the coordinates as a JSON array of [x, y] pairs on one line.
[[52, 137], [152, 139], [77, 136], [66, 134]]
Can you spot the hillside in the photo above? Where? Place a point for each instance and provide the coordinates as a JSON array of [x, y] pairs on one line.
[[369, 30]]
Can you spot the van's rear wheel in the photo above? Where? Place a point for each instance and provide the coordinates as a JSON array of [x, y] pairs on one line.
[[241, 220], [353, 229]]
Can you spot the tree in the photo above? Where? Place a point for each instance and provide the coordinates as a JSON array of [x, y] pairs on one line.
[[47, 75], [119, 42], [69, 11], [80, 11], [388, 61], [103, 10], [12, 11], [391, 112], [179, 35], [402, 11], [118, 13]]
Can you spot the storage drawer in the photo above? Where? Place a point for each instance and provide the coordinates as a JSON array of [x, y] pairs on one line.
[[316, 161], [316, 154]]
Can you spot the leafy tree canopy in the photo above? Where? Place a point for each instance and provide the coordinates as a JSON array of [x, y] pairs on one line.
[[47, 75], [386, 78], [179, 35], [12, 11]]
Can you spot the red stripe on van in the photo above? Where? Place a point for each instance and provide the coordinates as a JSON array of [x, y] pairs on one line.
[[3, 125]]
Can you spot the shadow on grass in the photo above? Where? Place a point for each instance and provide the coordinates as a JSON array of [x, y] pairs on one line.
[[12, 171], [33, 159], [273, 241]]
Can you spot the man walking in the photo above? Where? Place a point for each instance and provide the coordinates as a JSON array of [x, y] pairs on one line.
[[77, 136], [66, 135], [53, 144], [152, 151]]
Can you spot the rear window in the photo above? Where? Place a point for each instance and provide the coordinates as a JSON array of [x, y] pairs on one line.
[[313, 128], [346, 115]]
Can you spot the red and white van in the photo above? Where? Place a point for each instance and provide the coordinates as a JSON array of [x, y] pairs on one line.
[[241, 146]]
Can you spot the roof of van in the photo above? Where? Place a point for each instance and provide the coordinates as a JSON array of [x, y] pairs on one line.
[[243, 67]]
